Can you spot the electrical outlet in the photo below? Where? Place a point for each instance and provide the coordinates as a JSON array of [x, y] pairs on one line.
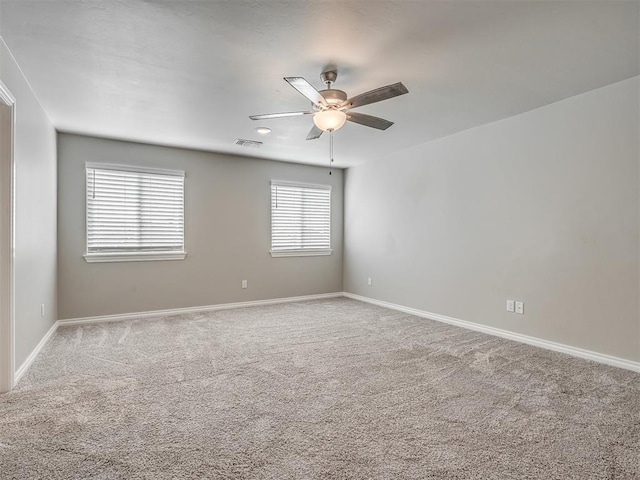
[[244, 284], [511, 306], [42, 310], [369, 281], [520, 308]]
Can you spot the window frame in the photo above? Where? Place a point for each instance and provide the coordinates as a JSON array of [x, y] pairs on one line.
[[306, 252], [139, 256]]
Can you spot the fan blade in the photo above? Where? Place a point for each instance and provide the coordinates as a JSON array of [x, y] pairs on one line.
[[314, 133], [279, 115], [377, 95], [306, 89], [369, 121]]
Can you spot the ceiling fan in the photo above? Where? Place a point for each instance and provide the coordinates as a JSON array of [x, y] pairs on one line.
[[331, 108]]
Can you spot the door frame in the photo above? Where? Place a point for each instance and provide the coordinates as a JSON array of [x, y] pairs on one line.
[[7, 239]]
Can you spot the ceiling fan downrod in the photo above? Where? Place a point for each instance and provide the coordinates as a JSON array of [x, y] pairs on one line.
[[329, 78]]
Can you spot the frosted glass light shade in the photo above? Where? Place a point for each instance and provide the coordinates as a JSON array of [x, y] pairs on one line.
[[328, 120]]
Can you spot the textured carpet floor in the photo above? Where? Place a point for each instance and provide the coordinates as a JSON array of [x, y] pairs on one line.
[[332, 389]]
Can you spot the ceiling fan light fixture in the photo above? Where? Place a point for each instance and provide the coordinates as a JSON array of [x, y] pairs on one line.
[[263, 130], [329, 120]]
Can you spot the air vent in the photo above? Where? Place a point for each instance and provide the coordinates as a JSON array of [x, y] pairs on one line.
[[248, 143]]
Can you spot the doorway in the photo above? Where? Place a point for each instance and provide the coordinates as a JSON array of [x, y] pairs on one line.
[[7, 239]]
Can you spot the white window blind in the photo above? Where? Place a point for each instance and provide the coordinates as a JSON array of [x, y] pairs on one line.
[[134, 211], [300, 219]]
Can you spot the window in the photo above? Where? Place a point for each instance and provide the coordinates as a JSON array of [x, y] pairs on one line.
[[300, 219], [134, 213]]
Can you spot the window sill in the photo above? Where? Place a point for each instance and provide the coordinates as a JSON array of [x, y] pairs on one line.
[[133, 257], [300, 253]]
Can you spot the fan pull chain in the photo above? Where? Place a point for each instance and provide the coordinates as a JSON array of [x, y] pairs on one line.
[[330, 150]]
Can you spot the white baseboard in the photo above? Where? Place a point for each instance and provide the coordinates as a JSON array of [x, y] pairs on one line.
[[32, 356], [558, 347], [205, 308], [518, 337]]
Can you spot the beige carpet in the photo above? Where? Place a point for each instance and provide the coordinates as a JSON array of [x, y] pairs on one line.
[[332, 389]]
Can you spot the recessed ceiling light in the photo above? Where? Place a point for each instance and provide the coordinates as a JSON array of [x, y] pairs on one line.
[[263, 130]]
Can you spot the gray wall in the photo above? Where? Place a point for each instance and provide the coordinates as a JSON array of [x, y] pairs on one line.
[[35, 234], [227, 232], [542, 207]]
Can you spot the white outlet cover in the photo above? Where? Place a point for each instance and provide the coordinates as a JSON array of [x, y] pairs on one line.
[[369, 281], [511, 306], [520, 308]]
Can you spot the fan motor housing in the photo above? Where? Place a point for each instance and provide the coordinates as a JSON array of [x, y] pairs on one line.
[[333, 96]]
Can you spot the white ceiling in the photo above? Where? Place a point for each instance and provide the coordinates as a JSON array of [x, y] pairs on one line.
[[189, 73]]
